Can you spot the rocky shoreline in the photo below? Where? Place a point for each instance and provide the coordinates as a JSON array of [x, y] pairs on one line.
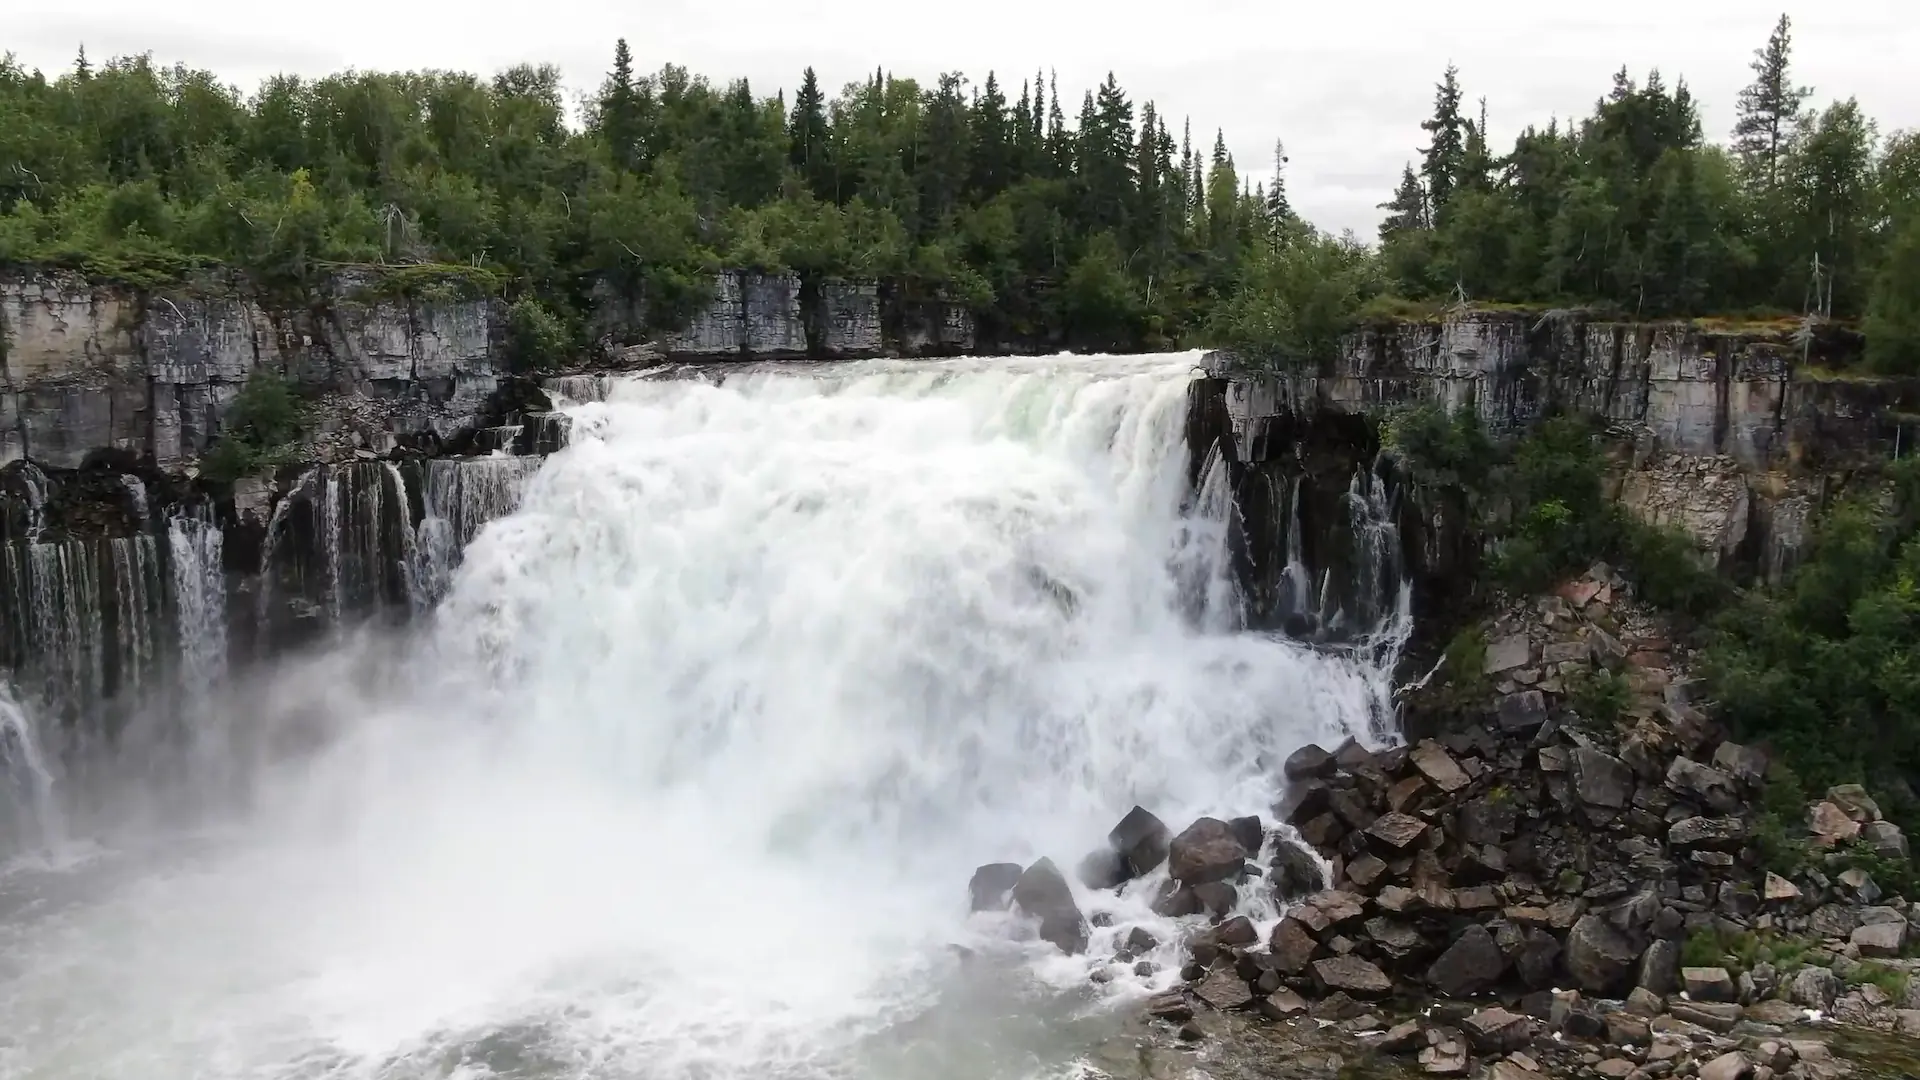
[[1544, 891]]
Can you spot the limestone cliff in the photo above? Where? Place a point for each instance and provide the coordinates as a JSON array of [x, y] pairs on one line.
[[1737, 433]]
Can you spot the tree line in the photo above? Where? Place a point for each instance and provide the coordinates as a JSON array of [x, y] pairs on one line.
[[1088, 224]]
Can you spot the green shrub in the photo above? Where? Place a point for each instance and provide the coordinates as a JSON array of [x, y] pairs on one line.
[[261, 430], [1600, 696], [536, 338]]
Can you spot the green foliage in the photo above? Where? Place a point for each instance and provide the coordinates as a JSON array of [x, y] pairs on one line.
[[1601, 697], [1893, 313], [1294, 302], [262, 428], [537, 338], [1826, 670], [1892, 980]]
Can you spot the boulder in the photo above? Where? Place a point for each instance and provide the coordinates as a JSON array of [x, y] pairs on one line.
[[1292, 946], [1447, 1057], [1206, 851], [1473, 964], [1103, 869], [1853, 800], [1236, 932], [1497, 1031], [1645, 1004], [1141, 841], [1536, 959], [1703, 783], [1488, 820], [1626, 1029], [1881, 940], [1224, 990], [1309, 761], [1523, 711], [1178, 902], [991, 886], [1705, 832], [1833, 921], [1830, 824], [1715, 1016], [1886, 840], [1748, 764], [1601, 779], [1397, 830], [1337, 907], [1042, 892], [1352, 975], [1365, 871], [1295, 872], [1730, 1066], [1779, 889], [1599, 957], [1507, 653], [1438, 766], [1512, 1070], [1813, 988], [1249, 832], [1216, 897], [1660, 968], [1708, 983], [1394, 939]]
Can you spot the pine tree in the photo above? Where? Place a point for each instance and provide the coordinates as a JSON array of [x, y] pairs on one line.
[[809, 142], [1026, 143], [619, 111], [1476, 164], [1769, 108], [1279, 210], [992, 143], [1407, 210], [1444, 157], [1059, 143]]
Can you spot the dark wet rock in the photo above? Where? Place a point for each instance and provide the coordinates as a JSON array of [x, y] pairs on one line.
[[1238, 931], [1536, 959], [1216, 897], [1304, 801], [992, 886], [1102, 870], [1206, 851], [1177, 902], [1598, 956], [1140, 941], [1497, 1031], [1172, 1006], [1292, 946], [1224, 990], [1353, 976], [1397, 830], [1322, 832], [1707, 983], [1309, 761], [1141, 841], [1249, 832], [1365, 870], [1396, 940], [1439, 767], [1295, 871], [1524, 711], [1042, 892], [1473, 964], [1488, 821]]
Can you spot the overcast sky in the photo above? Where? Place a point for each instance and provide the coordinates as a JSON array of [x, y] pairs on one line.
[[1345, 82]]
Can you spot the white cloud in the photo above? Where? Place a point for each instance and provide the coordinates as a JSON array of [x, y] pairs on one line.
[[1346, 84]]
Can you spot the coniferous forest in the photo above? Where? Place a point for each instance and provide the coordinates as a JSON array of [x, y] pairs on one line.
[[1093, 222]]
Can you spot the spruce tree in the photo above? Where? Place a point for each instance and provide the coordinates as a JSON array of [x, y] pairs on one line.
[[1446, 154], [1279, 210], [620, 110], [1026, 142], [809, 145], [1407, 210], [1769, 108], [992, 143]]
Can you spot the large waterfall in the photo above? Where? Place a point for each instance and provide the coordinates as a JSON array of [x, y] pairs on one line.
[[683, 770]]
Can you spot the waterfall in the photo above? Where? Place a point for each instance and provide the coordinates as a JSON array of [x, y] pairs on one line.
[[685, 774], [137, 592], [35, 483], [199, 602], [137, 495], [32, 818], [63, 592]]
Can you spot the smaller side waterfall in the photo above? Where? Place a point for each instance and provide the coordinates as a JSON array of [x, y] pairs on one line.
[[460, 497], [199, 601], [29, 813]]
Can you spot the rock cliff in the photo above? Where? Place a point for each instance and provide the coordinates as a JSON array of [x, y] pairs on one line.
[[1737, 434]]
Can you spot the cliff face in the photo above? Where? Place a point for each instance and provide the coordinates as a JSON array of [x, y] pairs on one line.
[[91, 367], [1737, 434]]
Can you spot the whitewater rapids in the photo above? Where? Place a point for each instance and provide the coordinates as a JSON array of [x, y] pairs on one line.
[[686, 775]]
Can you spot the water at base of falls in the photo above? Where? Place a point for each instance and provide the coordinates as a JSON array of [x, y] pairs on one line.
[[686, 776]]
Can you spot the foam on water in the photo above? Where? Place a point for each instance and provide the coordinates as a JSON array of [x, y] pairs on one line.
[[687, 775]]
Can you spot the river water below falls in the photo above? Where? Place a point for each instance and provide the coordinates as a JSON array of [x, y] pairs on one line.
[[685, 775]]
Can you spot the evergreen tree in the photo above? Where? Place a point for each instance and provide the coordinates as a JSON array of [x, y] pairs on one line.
[[993, 148], [619, 110], [1026, 142], [1279, 210], [1407, 210], [1893, 313], [1445, 156], [809, 142], [1769, 108]]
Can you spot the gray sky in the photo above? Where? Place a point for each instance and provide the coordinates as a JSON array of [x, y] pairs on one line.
[[1345, 83]]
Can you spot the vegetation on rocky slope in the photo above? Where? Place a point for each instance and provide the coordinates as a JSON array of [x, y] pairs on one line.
[[1096, 226]]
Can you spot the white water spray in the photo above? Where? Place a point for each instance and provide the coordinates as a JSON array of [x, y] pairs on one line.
[[689, 774]]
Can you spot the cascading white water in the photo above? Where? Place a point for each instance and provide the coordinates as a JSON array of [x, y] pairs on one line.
[[30, 819], [687, 776], [200, 602]]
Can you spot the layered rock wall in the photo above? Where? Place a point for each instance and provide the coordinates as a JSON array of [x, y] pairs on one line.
[[1737, 434]]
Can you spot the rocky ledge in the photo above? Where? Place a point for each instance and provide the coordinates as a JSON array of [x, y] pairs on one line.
[[1570, 884]]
